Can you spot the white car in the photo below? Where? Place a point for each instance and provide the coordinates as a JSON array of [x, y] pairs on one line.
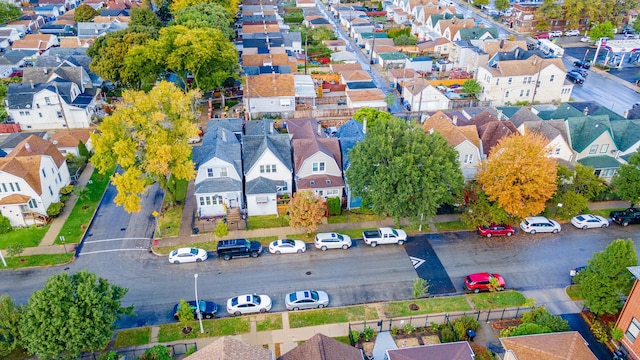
[[536, 224], [326, 241], [573, 32], [306, 299], [287, 246], [556, 33], [586, 39], [248, 304], [586, 221], [185, 255]]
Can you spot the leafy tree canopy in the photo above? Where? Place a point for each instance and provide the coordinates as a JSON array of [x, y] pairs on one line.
[[519, 175], [472, 87], [481, 211], [230, 5], [546, 12], [402, 172], [9, 12], [480, 3], [403, 40], [306, 210], [626, 181], [606, 278], [605, 29], [85, 13], [575, 188], [71, 314], [315, 36], [148, 136], [501, 4], [206, 15], [143, 16], [9, 325], [372, 116]]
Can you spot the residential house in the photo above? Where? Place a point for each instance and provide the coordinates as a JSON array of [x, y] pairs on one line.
[[339, 68], [629, 319], [422, 96], [269, 94], [322, 347], [15, 59], [491, 130], [568, 345], [50, 12], [627, 136], [74, 42], [67, 141], [27, 24], [344, 57], [268, 168], [555, 131], [391, 59], [31, 177], [317, 159], [305, 91], [227, 348], [592, 139], [335, 45], [9, 33], [467, 56], [423, 64], [355, 76], [373, 98], [464, 139], [38, 42], [305, 3], [437, 46], [91, 30], [349, 134], [399, 77], [512, 77], [218, 162], [14, 139], [474, 33], [460, 350]]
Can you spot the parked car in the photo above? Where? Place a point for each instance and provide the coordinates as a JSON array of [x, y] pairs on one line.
[[306, 299], [586, 39], [186, 255], [384, 235], [326, 241], [208, 309], [555, 33], [287, 246], [482, 281], [573, 32], [536, 224], [631, 36], [626, 217], [248, 304], [495, 230], [586, 221], [574, 272], [582, 64], [542, 35], [575, 78], [228, 249], [581, 71]]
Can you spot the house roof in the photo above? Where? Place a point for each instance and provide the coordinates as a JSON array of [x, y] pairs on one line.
[[365, 95], [593, 108], [75, 42], [231, 124], [14, 139], [321, 347], [448, 351], [269, 85], [384, 49], [20, 95], [529, 66], [35, 145], [349, 134], [392, 56], [361, 85], [218, 143], [259, 127], [626, 133], [261, 185], [307, 128], [227, 348], [261, 59], [70, 138], [584, 130], [600, 162], [477, 33], [319, 181], [13, 57], [483, 117], [550, 129], [39, 75], [338, 68], [492, 132], [255, 146], [568, 345], [452, 133], [15, 199], [520, 116], [343, 56], [491, 47], [215, 185], [305, 148]]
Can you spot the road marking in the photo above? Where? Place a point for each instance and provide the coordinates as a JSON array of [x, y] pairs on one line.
[[416, 261], [116, 239], [112, 250]]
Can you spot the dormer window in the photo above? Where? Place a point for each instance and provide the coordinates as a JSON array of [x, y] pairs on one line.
[[318, 167], [328, 182]]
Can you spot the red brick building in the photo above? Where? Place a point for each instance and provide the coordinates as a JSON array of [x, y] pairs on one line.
[[522, 20], [629, 320]]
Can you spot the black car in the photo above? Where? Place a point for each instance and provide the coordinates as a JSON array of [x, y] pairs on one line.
[[582, 64], [575, 77], [626, 217], [581, 71], [207, 308], [228, 249]]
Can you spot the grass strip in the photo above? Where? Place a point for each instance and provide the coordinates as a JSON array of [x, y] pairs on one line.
[[496, 300], [452, 226], [133, 337], [43, 260], [269, 322], [27, 237], [426, 306], [215, 327], [331, 316]]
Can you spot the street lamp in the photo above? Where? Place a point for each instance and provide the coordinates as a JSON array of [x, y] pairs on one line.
[[198, 313]]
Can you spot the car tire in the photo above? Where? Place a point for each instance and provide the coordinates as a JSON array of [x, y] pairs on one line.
[[227, 257], [584, 227], [278, 252], [198, 260], [295, 308], [476, 291], [625, 223], [555, 231], [532, 232], [605, 225], [345, 247], [237, 313], [176, 261], [488, 235], [176, 317], [254, 254], [374, 244], [400, 242], [320, 306], [299, 251], [208, 316], [499, 288], [509, 233], [323, 248], [263, 310]]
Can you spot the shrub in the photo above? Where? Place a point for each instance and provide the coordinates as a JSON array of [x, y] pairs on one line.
[[543, 317], [469, 322], [15, 250], [222, 229], [617, 334], [446, 334], [481, 352], [66, 190], [525, 329], [64, 198], [435, 326], [191, 350], [420, 288], [600, 331], [335, 208], [5, 225], [394, 331], [158, 352], [408, 328], [354, 336], [461, 332], [111, 355], [368, 333], [55, 209]]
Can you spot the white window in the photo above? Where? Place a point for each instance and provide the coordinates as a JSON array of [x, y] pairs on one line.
[[285, 102], [267, 169], [509, 81], [528, 92], [593, 149], [607, 173], [59, 114], [604, 148], [633, 330], [552, 77], [557, 151], [217, 200], [50, 191], [209, 172], [47, 100], [33, 204], [262, 199], [521, 92], [332, 193], [223, 172], [506, 94], [468, 158], [318, 166], [283, 187], [497, 81]]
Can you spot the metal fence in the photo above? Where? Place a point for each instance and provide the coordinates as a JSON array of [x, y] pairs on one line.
[[175, 350], [427, 320]]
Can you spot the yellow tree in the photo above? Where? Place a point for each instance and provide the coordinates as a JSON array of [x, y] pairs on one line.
[[306, 210], [519, 175], [147, 135]]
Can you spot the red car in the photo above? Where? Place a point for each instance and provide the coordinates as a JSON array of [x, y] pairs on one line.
[[495, 230], [481, 281], [543, 35]]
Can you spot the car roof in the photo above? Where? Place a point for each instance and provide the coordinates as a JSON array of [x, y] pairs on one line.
[[479, 276], [537, 218]]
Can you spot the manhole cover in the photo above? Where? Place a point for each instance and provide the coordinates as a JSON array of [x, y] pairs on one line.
[[308, 272]]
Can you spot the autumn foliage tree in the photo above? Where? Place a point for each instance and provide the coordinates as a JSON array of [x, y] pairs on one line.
[[306, 210], [147, 135], [84, 13], [519, 175]]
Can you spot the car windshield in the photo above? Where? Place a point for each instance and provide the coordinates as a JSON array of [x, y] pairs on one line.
[[234, 301], [580, 218], [314, 295], [339, 236], [194, 251], [174, 253]]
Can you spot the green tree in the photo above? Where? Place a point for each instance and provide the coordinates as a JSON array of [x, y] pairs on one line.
[[402, 172], [501, 4], [626, 181], [143, 16], [315, 36], [9, 325], [525, 329], [549, 10], [472, 86], [5, 225], [606, 278], [306, 210], [480, 210], [222, 229], [85, 13], [574, 11], [542, 316], [71, 314], [523, 187], [230, 5], [575, 188], [158, 352], [206, 15], [636, 27], [185, 314], [9, 12], [605, 29], [164, 120], [14, 250], [82, 150], [420, 288], [404, 40], [389, 99], [372, 116], [481, 3]]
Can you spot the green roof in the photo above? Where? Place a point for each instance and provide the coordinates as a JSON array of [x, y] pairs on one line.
[[393, 56], [508, 111], [626, 133], [565, 111], [584, 130], [600, 162], [545, 114], [378, 35], [476, 33]]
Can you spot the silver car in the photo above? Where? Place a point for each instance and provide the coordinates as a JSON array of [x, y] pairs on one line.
[[538, 224], [306, 299]]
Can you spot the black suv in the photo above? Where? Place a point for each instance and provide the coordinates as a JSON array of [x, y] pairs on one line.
[[582, 64], [575, 77], [626, 217], [228, 249]]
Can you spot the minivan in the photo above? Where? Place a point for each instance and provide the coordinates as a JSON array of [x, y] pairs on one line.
[[228, 249], [326, 241], [536, 224]]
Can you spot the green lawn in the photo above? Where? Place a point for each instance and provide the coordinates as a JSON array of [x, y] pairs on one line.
[[427, 306], [181, 190], [133, 337], [270, 322], [266, 221], [82, 212], [27, 237], [452, 226], [331, 316], [37, 260], [353, 216], [216, 327], [573, 291], [343, 339], [169, 221], [496, 300]]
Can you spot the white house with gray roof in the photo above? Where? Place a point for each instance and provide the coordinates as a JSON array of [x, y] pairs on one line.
[[218, 161], [268, 169], [91, 30]]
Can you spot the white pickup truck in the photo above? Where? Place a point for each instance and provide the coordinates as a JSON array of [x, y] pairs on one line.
[[385, 235]]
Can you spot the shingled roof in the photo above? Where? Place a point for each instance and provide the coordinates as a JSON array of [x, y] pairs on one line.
[[226, 348], [321, 347], [568, 345], [584, 130]]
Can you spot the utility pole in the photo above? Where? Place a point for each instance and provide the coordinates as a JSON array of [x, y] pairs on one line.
[[306, 50]]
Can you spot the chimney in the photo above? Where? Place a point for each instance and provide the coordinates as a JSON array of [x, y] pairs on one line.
[[27, 147], [455, 120], [319, 129], [271, 127], [535, 60], [45, 71], [55, 142], [501, 43], [500, 115], [585, 111]]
